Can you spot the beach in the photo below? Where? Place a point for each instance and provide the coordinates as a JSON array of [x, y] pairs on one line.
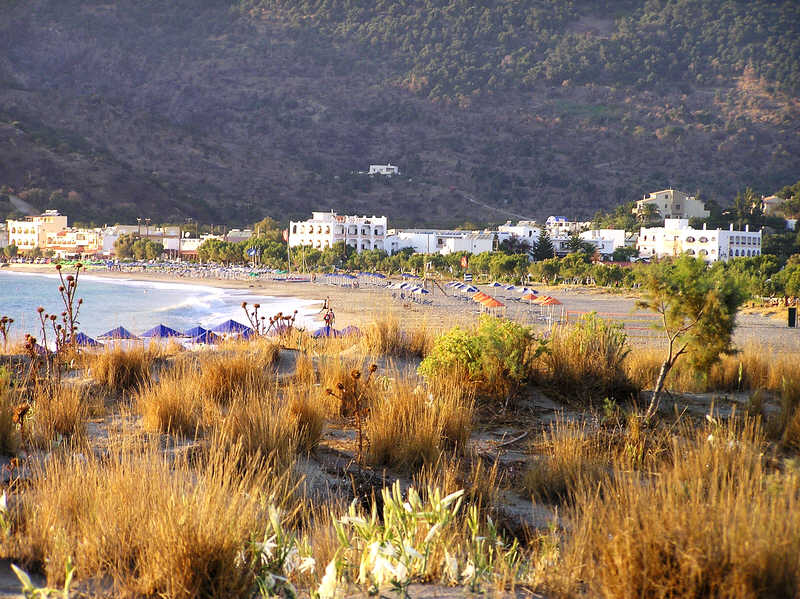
[[360, 306]]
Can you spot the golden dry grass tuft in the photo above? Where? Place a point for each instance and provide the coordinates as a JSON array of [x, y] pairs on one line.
[[713, 523], [9, 432], [409, 425], [60, 411], [752, 368], [265, 424], [386, 337], [121, 369], [585, 363], [569, 454], [154, 526]]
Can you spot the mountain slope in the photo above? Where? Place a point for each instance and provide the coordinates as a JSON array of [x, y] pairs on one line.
[[227, 111]]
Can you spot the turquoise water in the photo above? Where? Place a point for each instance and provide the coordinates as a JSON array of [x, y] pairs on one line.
[[136, 305]]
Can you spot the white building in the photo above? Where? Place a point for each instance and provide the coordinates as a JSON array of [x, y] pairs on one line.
[[324, 229], [32, 232], [605, 240], [169, 236], [672, 203], [439, 241], [3, 235], [559, 226], [383, 169], [677, 237], [74, 242], [524, 230]]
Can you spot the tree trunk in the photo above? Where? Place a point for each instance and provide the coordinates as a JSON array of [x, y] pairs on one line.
[[662, 375]]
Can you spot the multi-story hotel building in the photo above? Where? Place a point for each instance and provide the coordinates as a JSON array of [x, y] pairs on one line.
[[33, 231], [324, 229], [677, 237]]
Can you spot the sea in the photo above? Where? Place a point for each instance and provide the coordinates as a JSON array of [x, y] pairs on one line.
[[136, 305]]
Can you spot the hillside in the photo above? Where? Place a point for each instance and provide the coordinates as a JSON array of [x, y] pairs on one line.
[[227, 111]]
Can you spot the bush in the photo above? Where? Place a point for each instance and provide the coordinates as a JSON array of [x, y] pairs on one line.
[[123, 369], [586, 362], [495, 357]]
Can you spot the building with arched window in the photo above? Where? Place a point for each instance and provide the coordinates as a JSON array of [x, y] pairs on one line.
[[324, 229], [33, 231], [677, 237]]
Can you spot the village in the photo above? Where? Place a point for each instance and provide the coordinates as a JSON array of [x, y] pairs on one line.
[[49, 235]]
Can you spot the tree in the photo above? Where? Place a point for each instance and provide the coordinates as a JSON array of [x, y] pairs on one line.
[[10, 251], [648, 214], [624, 254], [698, 312], [514, 245], [543, 247], [123, 246], [577, 245]]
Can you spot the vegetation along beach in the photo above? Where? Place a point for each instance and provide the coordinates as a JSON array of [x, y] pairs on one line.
[[404, 299]]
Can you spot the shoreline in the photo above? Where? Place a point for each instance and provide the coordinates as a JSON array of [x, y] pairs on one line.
[[352, 307]]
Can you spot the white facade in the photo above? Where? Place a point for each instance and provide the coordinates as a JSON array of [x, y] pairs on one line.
[[558, 226], [324, 229], [439, 241], [524, 230], [383, 169], [605, 240], [74, 242], [167, 236], [32, 232], [3, 235], [672, 203], [677, 237]]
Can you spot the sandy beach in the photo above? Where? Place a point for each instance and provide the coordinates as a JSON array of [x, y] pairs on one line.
[[363, 305]]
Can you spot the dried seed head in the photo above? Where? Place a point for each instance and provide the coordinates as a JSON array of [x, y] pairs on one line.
[[61, 288], [244, 304], [58, 267], [70, 278], [328, 391], [78, 266], [356, 374], [340, 386], [40, 309], [373, 367]]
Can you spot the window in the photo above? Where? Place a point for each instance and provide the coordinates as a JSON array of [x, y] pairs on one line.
[[704, 239], [703, 252], [690, 239], [690, 252]]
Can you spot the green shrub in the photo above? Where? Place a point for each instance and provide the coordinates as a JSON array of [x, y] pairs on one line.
[[496, 356]]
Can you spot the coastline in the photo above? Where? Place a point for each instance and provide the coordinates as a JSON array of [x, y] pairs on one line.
[[352, 306]]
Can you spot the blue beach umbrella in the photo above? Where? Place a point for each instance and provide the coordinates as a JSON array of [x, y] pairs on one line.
[[194, 332], [84, 340], [118, 333], [495, 284], [161, 331], [325, 332], [231, 326], [207, 337]]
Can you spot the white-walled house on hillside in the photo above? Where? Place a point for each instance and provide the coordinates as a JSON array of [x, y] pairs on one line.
[[677, 237], [605, 240], [384, 169], [324, 229]]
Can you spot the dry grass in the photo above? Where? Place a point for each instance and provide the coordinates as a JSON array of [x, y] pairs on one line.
[[224, 375], [570, 454], [154, 527], [60, 411], [172, 405], [585, 363], [713, 523], [409, 426], [386, 337], [123, 369], [9, 432], [269, 425], [752, 368]]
